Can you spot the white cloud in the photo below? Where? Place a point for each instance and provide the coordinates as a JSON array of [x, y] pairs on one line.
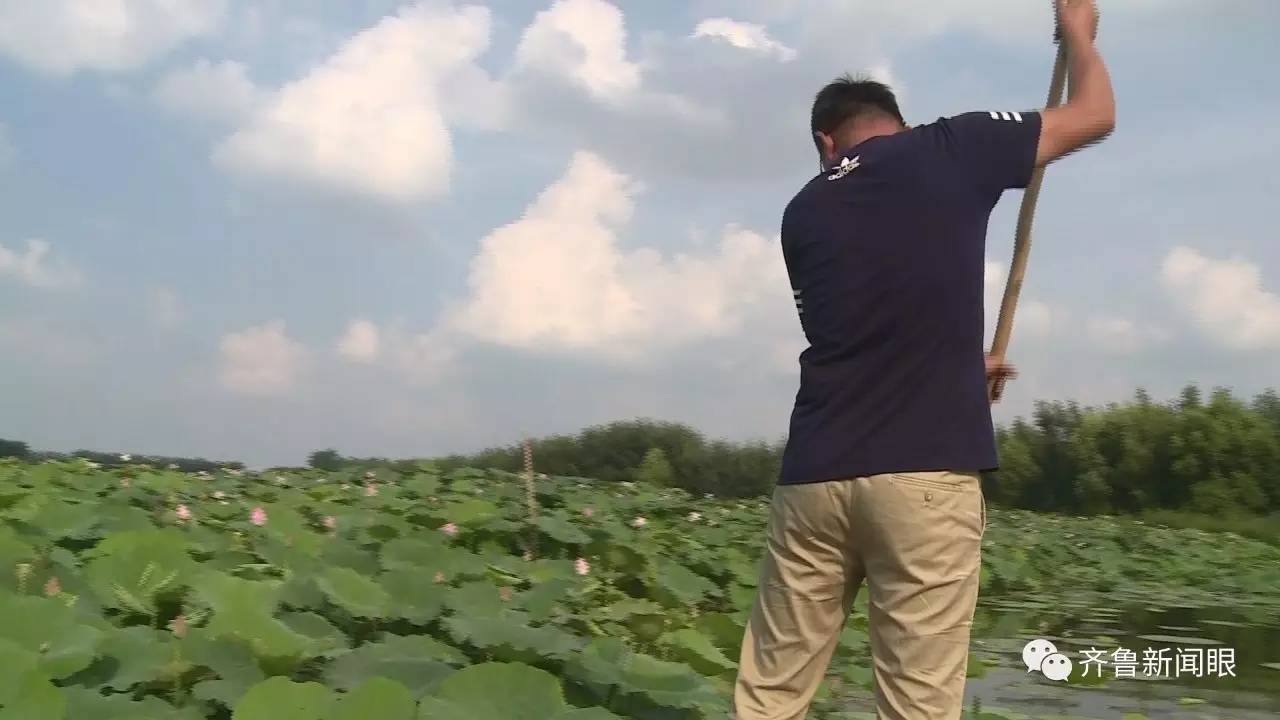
[[583, 41], [35, 269], [61, 37], [745, 36], [556, 280], [423, 358], [1226, 298], [360, 342], [883, 72], [1032, 317], [471, 98], [785, 354], [1122, 336], [261, 360], [369, 119], [222, 91], [1035, 317]]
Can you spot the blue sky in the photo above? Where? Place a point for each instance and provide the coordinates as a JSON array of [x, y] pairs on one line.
[[253, 228]]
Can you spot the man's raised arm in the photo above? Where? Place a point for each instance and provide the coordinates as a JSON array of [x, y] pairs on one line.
[[1089, 114]]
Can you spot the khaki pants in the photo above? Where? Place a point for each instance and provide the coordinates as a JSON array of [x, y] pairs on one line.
[[915, 538]]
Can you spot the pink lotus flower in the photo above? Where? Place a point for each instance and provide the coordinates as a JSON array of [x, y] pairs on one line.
[[581, 566], [588, 512], [179, 625], [258, 517], [53, 587], [506, 594], [639, 522], [183, 512], [439, 578], [449, 529], [331, 522], [370, 490]]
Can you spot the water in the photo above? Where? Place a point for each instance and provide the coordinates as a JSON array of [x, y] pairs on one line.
[[1004, 625]]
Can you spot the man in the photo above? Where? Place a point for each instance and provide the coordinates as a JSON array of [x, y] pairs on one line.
[[892, 422]]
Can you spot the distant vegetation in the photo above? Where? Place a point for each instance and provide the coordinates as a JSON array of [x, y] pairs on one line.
[[22, 451], [1220, 456], [1217, 456]]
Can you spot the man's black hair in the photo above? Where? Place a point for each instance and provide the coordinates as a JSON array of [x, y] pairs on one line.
[[849, 98]]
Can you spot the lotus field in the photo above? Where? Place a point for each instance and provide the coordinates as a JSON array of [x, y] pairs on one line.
[[148, 594]]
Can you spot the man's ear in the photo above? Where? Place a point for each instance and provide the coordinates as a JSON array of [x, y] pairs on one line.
[[826, 146]]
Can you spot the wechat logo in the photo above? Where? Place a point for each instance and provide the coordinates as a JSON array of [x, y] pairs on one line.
[[1041, 655]]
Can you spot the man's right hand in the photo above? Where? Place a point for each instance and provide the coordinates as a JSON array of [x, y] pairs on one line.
[[1089, 114]]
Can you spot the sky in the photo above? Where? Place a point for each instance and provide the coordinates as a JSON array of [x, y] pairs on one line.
[[249, 229]]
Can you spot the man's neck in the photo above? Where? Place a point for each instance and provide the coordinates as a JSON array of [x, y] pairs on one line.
[[873, 129], [861, 134]]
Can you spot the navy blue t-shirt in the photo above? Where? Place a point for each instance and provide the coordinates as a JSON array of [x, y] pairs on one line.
[[886, 251]]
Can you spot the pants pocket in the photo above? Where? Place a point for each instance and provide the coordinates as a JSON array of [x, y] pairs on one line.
[[944, 481], [952, 502]]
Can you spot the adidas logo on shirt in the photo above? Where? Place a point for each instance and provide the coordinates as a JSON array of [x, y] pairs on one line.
[[846, 166], [1008, 116]]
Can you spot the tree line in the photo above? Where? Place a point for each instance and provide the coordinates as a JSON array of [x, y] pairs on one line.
[[664, 453], [22, 451], [1218, 455]]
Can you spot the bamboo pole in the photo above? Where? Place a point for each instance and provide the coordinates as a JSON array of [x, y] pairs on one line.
[[531, 498], [1022, 236]]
